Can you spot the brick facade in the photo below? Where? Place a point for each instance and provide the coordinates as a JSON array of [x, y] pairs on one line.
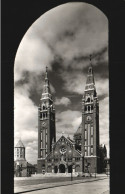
[[79, 155]]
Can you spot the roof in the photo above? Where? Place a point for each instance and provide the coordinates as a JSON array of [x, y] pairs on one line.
[[79, 130], [30, 165], [102, 145], [71, 140], [68, 139], [19, 144]]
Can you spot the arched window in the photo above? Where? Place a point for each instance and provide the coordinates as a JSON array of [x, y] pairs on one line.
[[92, 98], [88, 100]]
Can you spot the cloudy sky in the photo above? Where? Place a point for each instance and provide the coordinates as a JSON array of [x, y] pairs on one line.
[[62, 39]]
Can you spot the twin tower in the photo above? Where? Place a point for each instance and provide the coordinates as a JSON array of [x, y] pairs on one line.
[[66, 155]]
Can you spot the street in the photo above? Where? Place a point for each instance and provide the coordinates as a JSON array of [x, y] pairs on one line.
[[95, 187]]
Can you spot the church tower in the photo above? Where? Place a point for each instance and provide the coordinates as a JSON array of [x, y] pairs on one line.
[[90, 124], [46, 124], [19, 151]]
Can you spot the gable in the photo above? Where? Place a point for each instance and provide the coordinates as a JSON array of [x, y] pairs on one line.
[[65, 141], [63, 147]]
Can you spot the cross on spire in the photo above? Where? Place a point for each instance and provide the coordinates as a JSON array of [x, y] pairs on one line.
[[46, 88], [62, 132], [46, 75], [90, 57], [90, 76]]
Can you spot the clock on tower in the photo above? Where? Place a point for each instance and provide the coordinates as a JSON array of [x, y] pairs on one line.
[[88, 118]]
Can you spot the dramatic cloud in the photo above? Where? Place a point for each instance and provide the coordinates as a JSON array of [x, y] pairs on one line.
[[64, 101], [25, 119], [74, 82], [81, 31], [68, 122], [63, 42], [31, 152], [33, 56]]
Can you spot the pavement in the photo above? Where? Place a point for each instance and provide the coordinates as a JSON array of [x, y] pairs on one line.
[[35, 187], [95, 187]]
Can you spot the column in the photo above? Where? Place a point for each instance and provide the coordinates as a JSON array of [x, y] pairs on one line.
[[52, 169], [88, 139], [66, 167], [73, 170], [44, 142]]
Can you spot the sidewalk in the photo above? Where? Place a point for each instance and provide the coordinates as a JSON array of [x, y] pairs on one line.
[[46, 177], [29, 188]]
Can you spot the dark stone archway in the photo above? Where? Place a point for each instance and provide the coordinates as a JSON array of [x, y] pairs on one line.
[[62, 168], [70, 169], [55, 169]]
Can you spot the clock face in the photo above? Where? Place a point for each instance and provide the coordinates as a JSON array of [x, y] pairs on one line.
[[88, 118], [43, 124]]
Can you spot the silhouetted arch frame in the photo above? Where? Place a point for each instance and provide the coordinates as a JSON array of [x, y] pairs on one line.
[[53, 5], [43, 9]]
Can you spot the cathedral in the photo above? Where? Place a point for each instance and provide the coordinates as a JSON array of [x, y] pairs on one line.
[[81, 154]]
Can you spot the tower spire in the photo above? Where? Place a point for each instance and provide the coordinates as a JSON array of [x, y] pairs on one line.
[[90, 83], [46, 75], [90, 121], [90, 57], [46, 124], [46, 88]]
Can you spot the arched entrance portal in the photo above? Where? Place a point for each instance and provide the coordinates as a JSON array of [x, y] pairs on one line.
[[70, 169], [62, 168], [55, 169]]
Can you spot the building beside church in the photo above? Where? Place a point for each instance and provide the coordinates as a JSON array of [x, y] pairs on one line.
[[83, 153], [22, 168]]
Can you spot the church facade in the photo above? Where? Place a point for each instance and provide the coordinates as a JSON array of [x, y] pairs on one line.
[[80, 154]]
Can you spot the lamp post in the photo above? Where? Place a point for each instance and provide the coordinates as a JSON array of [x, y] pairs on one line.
[[89, 167], [95, 171], [71, 171], [72, 164], [107, 171]]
